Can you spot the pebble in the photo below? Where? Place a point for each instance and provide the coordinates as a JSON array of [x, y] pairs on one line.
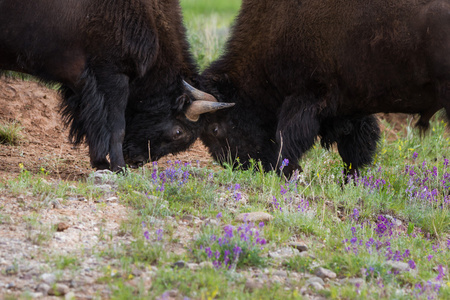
[[36, 295], [104, 187], [70, 296], [252, 284], [254, 217], [59, 290], [193, 266], [300, 246], [10, 285], [280, 273], [324, 273], [398, 266], [56, 203], [206, 264], [62, 226], [315, 279], [48, 278], [179, 264], [284, 253], [317, 286], [43, 288], [356, 281], [393, 220], [11, 270], [112, 199]]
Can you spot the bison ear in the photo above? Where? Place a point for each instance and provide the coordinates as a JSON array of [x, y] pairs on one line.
[[182, 102]]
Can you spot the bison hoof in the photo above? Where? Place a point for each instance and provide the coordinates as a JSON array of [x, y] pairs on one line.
[[101, 165]]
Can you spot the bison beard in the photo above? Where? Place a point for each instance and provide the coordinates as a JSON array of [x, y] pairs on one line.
[[121, 65], [302, 70]]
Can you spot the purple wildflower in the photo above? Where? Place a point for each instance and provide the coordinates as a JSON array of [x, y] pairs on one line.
[[441, 273], [159, 234], [284, 163], [412, 264]]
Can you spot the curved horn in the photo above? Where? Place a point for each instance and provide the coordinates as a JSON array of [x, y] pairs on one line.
[[197, 94], [201, 106]]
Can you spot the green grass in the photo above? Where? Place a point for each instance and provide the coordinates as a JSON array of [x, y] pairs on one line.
[[10, 133], [208, 25]]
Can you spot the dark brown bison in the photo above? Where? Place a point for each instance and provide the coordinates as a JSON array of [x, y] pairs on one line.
[[302, 69], [122, 65]]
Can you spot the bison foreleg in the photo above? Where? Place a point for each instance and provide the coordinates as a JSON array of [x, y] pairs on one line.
[[116, 90], [358, 144], [298, 127]]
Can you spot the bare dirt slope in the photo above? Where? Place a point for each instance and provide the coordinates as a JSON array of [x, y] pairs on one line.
[[45, 141]]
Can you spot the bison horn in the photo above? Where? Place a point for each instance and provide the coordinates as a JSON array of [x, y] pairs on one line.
[[201, 106], [197, 94]]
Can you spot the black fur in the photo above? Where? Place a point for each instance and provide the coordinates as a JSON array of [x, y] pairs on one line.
[[303, 70], [121, 65]]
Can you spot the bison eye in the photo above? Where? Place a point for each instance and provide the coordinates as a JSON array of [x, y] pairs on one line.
[[215, 130], [177, 134]]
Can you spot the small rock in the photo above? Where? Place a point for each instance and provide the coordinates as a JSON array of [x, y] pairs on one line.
[[315, 279], [11, 270], [10, 285], [300, 246], [393, 220], [70, 296], [187, 218], [62, 226], [56, 203], [59, 290], [317, 286], [35, 295], [206, 264], [254, 217], [105, 187], [356, 281], [284, 253], [193, 266], [43, 288], [280, 273], [48, 278], [252, 285], [179, 264], [398, 266], [324, 273], [112, 199]]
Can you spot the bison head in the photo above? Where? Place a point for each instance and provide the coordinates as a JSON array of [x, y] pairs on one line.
[[240, 134], [166, 126]]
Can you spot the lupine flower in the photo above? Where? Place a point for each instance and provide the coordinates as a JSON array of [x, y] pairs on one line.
[[159, 234], [284, 163]]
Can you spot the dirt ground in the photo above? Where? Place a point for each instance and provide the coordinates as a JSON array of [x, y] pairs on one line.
[[24, 266]]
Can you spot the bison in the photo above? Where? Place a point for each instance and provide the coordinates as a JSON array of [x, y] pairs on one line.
[[299, 70], [124, 68]]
